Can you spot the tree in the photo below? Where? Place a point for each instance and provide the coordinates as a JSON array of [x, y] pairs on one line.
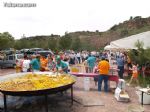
[[53, 43], [131, 18], [65, 42], [124, 32], [141, 55], [76, 45], [137, 17], [113, 28], [17, 44], [6, 40], [139, 44]]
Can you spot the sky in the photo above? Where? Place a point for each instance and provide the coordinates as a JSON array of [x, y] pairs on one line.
[[60, 16]]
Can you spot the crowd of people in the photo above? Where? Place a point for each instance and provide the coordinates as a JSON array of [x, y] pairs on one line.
[[92, 61], [55, 62]]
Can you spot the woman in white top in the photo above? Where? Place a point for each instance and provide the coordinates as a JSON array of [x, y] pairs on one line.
[[26, 64]]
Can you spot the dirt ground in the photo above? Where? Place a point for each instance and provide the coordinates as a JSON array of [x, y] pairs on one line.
[[103, 102]]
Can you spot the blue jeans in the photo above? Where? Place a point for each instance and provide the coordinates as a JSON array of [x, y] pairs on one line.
[[90, 70], [121, 71], [100, 80]]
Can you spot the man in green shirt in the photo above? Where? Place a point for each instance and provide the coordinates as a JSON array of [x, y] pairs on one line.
[[61, 66], [35, 64]]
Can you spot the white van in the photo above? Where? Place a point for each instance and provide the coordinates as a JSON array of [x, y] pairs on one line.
[[10, 60]]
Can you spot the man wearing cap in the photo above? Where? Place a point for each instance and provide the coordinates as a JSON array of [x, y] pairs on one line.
[[61, 66], [103, 68]]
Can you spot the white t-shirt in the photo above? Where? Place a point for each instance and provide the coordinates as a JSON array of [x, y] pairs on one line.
[[25, 65], [78, 55]]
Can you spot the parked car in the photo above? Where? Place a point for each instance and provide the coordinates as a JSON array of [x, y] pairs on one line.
[[24, 50], [45, 53], [36, 49], [10, 60]]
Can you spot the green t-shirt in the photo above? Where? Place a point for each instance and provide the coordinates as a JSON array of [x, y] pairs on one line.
[[62, 65], [35, 64]]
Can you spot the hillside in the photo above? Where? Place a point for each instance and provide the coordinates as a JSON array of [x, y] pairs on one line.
[[90, 40], [100, 39]]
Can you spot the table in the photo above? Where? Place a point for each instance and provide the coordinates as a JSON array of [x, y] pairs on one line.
[[111, 77], [113, 69], [144, 90]]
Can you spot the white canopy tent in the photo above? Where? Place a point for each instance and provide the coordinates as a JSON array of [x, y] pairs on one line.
[[110, 47], [129, 42]]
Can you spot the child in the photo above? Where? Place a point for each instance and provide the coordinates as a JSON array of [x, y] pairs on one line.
[[18, 66], [86, 66], [134, 73], [95, 70]]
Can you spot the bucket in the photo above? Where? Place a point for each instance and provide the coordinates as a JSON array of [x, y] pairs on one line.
[[146, 97], [74, 69], [86, 83]]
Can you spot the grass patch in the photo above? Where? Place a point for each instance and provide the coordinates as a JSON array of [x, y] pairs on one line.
[[144, 81]]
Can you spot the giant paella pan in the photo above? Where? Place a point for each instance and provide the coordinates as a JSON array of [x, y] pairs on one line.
[[37, 83]]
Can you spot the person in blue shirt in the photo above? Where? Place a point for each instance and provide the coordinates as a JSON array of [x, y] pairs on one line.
[[120, 63], [61, 66], [91, 63], [34, 64]]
